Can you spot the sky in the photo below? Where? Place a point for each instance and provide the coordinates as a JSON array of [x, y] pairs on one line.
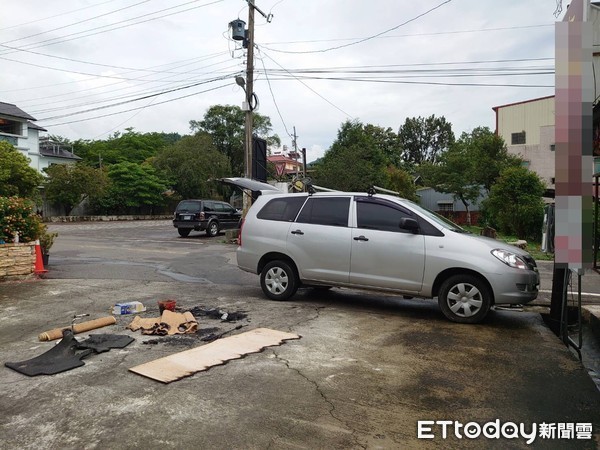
[[86, 69]]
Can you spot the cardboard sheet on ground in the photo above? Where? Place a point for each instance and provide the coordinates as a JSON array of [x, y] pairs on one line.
[[189, 362], [168, 323]]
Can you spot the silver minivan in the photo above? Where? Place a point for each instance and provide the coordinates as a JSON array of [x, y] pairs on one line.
[[380, 242]]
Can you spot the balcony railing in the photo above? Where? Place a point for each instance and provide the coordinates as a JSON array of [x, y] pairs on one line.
[[11, 140]]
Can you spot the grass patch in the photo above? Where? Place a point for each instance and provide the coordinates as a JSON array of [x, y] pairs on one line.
[[533, 248]]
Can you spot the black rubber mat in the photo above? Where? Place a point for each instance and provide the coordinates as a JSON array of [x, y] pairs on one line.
[[63, 356], [104, 342], [68, 353]]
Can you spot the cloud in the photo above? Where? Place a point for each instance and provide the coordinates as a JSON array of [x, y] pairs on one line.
[[193, 46]]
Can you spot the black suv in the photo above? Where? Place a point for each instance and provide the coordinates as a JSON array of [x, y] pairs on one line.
[[210, 215]]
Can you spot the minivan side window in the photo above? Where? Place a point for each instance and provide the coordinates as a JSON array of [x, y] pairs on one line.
[[326, 211], [377, 216], [282, 209], [209, 207], [228, 208]]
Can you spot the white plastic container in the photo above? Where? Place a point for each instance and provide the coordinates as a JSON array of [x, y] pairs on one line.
[[128, 308]]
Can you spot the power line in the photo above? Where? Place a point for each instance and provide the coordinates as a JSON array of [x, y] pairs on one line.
[[75, 23], [56, 15], [360, 41], [59, 41], [64, 58], [480, 30], [184, 82], [196, 59], [140, 98], [416, 82], [273, 96], [308, 87], [140, 107]]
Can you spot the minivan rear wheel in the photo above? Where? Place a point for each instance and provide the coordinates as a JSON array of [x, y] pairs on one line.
[[278, 280], [212, 229], [464, 299], [183, 232]]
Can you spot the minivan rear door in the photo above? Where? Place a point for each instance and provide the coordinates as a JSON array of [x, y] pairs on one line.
[[383, 255], [319, 240]]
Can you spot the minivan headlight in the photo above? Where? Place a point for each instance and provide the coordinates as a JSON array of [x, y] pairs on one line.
[[509, 258]]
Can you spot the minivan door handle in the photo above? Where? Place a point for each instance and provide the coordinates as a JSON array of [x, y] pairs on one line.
[[300, 232], [361, 238]]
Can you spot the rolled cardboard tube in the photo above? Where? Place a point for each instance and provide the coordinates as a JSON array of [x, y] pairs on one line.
[[82, 327]]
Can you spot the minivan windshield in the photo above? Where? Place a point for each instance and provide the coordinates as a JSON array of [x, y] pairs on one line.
[[438, 219]]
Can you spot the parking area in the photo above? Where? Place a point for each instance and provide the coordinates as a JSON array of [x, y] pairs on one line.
[[367, 370]]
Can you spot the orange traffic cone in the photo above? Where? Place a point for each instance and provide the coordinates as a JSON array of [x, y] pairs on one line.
[[39, 264]]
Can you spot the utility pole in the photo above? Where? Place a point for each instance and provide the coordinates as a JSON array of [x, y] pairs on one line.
[[249, 92], [294, 143]]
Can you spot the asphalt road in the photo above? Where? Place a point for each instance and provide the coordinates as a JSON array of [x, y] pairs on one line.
[[367, 369]]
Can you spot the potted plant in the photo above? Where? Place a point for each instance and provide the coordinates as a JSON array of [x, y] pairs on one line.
[[46, 241]]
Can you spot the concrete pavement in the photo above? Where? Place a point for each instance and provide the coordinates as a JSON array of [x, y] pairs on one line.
[[366, 370]]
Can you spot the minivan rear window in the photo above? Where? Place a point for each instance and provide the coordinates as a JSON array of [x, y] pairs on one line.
[[282, 209], [189, 206]]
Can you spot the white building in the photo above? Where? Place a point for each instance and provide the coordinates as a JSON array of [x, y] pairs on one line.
[[527, 127], [17, 128]]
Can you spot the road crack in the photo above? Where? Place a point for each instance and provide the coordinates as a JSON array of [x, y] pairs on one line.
[[332, 408]]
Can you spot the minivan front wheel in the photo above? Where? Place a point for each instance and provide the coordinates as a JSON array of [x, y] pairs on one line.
[[465, 299], [278, 280]]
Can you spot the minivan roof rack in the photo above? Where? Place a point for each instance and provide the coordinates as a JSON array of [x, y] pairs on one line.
[[373, 190], [312, 188]]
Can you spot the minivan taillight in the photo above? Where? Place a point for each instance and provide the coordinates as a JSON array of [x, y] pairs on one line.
[[200, 215], [240, 232]]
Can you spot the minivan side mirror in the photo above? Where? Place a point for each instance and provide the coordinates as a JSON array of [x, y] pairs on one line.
[[406, 223]]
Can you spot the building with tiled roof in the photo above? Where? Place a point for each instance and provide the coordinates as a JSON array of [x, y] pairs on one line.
[[18, 128]]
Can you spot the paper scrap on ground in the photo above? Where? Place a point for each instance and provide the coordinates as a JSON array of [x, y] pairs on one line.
[[189, 362], [167, 324]]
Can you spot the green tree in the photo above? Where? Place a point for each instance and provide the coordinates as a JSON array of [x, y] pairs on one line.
[[16, 177], [388, 142], [130, 146], [488, 155], [454, 174], [424, 139], [354, 162], [515, 203], [190, 163], [401, 181], [225, 123], [67, 185], [132, 187]]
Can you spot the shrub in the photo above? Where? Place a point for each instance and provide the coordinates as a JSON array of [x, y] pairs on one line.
[[17, 216], [515, 203]]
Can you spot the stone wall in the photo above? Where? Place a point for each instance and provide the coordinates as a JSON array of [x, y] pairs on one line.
[[16, 260]]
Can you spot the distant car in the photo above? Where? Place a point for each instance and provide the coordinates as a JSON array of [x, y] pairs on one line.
[[380, 242], [211, 216]]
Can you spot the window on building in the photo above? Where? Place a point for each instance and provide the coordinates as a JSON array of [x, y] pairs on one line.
[[552, 147], [445, 206], [11, 127], [553, 180], [517, 138]]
